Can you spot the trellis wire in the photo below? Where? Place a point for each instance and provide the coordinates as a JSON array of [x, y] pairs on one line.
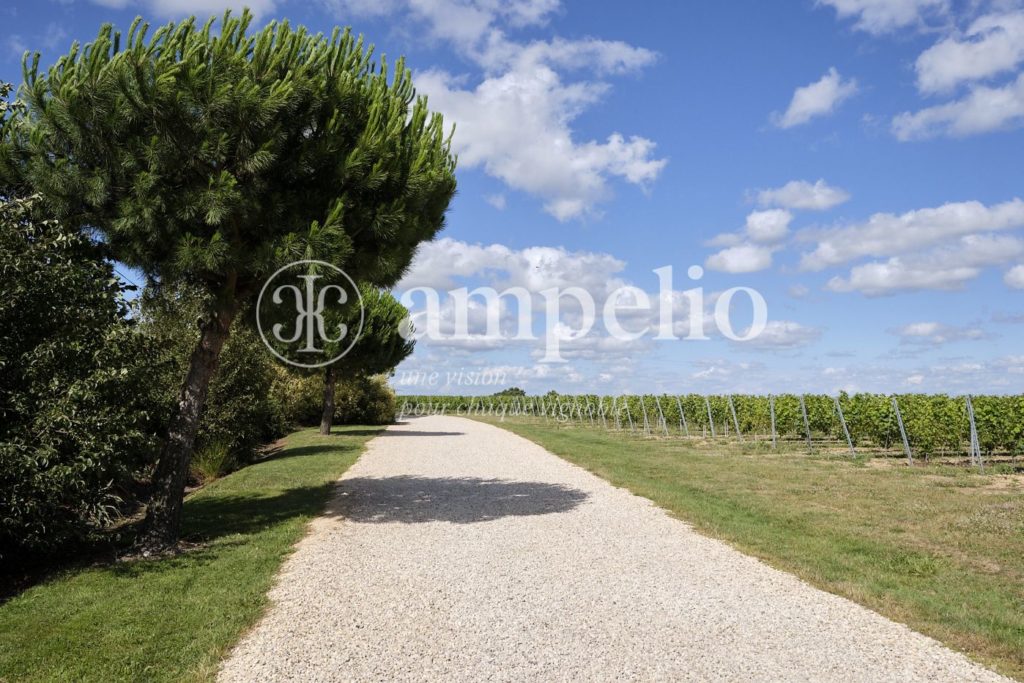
[[572, 408]]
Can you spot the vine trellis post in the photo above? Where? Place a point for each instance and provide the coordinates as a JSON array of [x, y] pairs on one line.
[[735, 421], [661, 415], [842, 421], [711, 420], [683, 427], [807, 423], [975, 443], [647, 423], [903, 431]]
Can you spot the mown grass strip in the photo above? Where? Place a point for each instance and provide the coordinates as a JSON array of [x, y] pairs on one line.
[[173, 619]]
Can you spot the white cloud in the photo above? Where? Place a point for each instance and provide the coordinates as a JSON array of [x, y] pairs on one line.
[[745, 258], [800, 194], [498, 201], [945, 268], [768, 227], [982, 110], [817, 99], [203, 9], [883, 16], [1015, 277], [992, 44], [784, 334], [535, 268], [935, 334], [516, 126], [798, 291], [464, 22], [886, 234], [762, 227], [516, 120]]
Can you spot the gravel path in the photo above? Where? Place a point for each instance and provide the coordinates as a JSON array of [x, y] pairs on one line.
[[454, 550]]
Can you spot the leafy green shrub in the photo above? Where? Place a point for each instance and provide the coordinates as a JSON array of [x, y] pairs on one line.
[[365, 401], [77, 423], [306, 392]]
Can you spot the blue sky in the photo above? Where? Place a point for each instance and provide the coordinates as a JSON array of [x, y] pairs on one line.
[[856, 161]]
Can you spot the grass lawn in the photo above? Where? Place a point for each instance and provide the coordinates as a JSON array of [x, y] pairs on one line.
[[173, 619], [938, 548]]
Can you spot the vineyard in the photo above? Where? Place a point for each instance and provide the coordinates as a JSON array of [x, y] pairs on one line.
[[910, 425]]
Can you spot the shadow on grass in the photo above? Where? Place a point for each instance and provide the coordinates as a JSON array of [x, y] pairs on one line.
[[466, 500], [211, 517]]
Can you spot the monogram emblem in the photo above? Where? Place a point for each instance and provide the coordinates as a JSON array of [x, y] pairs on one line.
[[303, 339]]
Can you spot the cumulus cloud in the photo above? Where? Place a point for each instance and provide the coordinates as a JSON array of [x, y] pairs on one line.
[[982, 110], [817, 99], [944, 268], [801, 194], [462, 21], [516, 126], [1015, 277], [516, 119], [993, 44], [768, 227], [784, 334], [884, 16], [743, 258], [535, 268], [936, 334], [750, 250], [886, 234], [177, 9]]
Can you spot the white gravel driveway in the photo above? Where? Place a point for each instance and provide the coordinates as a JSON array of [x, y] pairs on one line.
[[454, 550]]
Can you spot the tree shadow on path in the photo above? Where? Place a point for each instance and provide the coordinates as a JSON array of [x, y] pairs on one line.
[[459, 500]]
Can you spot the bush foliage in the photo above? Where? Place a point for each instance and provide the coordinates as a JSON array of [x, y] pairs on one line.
[[357, 400], [76, 386]]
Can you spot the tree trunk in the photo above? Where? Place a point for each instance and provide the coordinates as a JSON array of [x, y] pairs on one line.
[[163, 515], [327, 418]]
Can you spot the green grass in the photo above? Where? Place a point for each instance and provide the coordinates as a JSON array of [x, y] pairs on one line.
[[173, 619], [938, 548]]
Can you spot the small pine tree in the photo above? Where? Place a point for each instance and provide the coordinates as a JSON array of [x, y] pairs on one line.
[[380, 347]]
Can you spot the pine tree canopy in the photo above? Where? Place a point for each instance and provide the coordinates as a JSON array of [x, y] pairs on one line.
[[214, 157], [380, 346]]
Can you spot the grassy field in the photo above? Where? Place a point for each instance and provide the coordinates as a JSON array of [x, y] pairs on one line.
[[173, 619], [938, 548]]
